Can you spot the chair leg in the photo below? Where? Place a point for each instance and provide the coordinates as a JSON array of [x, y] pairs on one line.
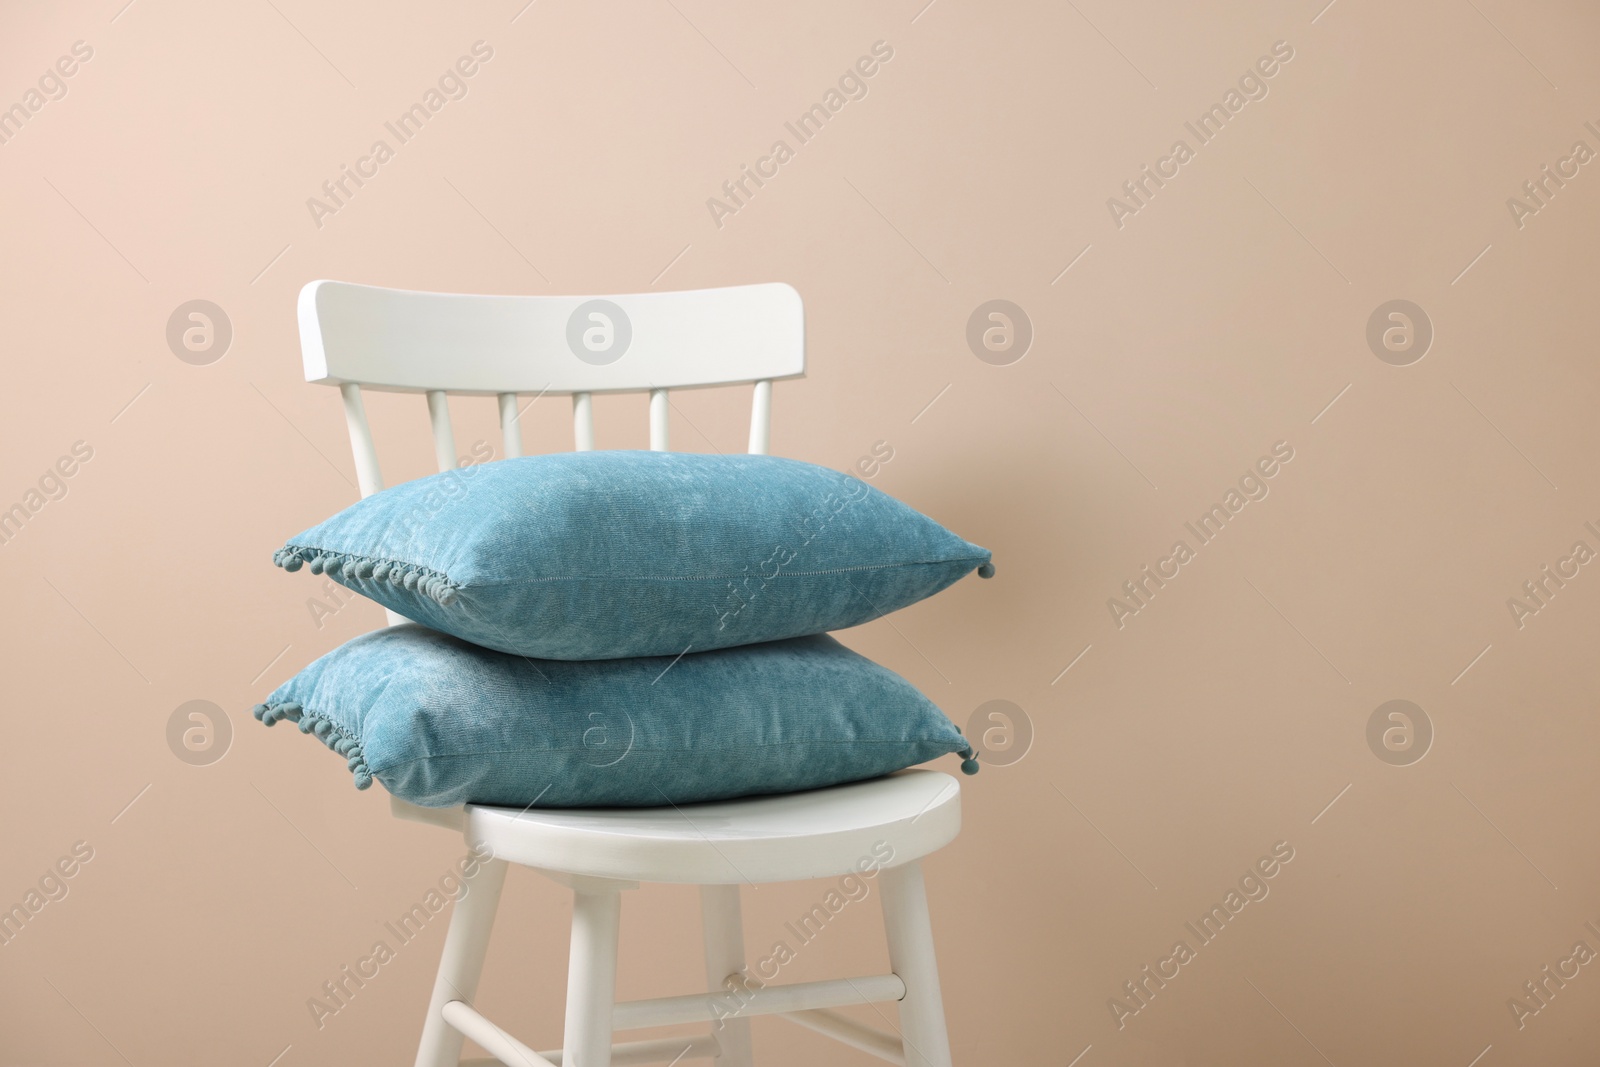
[[910, 934], [591, 977], [723, 924], [465, 946]]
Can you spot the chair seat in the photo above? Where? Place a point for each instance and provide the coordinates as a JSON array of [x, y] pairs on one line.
[[788, 837]]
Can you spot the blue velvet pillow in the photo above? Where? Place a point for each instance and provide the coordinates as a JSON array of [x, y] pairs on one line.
[[441, 722], [599, 555]]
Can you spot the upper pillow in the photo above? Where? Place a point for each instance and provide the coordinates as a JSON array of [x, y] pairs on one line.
[[601, 555]]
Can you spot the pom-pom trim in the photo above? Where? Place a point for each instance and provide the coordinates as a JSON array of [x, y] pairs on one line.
[[353, 570], [325, 730]]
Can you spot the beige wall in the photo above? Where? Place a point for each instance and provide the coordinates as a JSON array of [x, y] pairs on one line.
[[1220, 318]]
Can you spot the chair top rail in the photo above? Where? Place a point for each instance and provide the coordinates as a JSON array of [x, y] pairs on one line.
[[401, 340]]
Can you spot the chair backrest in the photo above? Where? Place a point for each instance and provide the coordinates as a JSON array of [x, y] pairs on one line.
[[365, 337]]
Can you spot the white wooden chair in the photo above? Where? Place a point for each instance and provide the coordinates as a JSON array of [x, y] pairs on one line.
[[362, 337]]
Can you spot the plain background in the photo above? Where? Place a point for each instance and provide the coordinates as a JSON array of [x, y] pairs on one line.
[[1226, 315]]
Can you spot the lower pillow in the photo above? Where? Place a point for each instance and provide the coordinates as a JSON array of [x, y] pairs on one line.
[[442, 722]]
